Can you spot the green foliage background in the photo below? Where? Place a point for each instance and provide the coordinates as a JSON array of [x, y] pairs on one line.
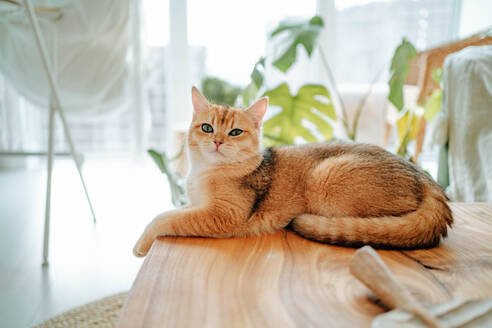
[[312, 103], [220, 91]]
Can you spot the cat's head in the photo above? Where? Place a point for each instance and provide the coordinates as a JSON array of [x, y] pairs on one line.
[[222, 134]]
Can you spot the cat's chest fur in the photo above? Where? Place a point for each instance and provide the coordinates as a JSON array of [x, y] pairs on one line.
[[205, 186], [194, 190], [252, 188]]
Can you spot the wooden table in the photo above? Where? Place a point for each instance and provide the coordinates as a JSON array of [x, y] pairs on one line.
[[283, 280]]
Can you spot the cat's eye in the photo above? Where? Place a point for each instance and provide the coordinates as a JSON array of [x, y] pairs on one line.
[[207, 128], [235, 132]]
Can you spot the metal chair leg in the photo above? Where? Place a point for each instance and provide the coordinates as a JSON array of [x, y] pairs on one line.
[[46, 239], [55, 93]]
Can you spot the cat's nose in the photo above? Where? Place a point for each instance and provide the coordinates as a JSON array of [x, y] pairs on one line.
[[218, 143]]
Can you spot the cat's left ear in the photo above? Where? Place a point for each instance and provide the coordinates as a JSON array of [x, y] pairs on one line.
[[257, 111]]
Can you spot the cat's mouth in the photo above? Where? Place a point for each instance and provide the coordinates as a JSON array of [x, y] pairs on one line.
[[216, 151]]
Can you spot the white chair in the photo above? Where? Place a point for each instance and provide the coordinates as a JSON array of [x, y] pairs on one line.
[[55, 106], [90, 41]]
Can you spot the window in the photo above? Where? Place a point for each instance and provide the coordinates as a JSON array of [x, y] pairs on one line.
[[367, 33], [234, 33]]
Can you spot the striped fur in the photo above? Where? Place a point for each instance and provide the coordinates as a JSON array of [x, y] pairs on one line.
[[421, 228]]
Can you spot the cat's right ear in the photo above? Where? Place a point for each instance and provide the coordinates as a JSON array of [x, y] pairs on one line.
[[257, 111], [199, 101]]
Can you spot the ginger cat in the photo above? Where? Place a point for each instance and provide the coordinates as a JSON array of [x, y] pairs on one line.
[[339, 193]]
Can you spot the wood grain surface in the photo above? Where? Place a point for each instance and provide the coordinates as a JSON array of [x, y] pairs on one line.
[[283, 280]]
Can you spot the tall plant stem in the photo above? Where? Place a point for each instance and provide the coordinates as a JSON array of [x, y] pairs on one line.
[[353, 131], [335, 90]]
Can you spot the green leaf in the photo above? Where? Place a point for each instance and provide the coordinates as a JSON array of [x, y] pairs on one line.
[[316, 20], [256, 74], [437, 74], [433, 105], [406, 128], [399, 70], [402, 126], [220, 91], [312, 103], [276, 140], [294, 34], [158, 160], [306, 134], [248, 95], [176, 184]]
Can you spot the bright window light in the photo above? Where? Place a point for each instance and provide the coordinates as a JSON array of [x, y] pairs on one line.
[[234, 32], [156, 21], [343, 4]]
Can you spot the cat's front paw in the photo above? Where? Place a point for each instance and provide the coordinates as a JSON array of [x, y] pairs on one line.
[[158, 227], [138, 251], [143, 245]]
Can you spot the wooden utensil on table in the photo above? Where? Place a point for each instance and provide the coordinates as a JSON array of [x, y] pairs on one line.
[[367, 266]]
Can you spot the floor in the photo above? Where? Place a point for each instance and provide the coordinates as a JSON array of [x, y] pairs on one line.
[[87, 261]]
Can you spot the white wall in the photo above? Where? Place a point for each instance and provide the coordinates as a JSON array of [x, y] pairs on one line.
[[476, 15]]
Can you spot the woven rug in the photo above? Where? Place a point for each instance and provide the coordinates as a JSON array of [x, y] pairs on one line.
[[102, 313]]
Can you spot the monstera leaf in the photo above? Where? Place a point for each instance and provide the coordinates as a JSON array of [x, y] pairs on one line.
[[312, 103], [399, 70], [294, 34]]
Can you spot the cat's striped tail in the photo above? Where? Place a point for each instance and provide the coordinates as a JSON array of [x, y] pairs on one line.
[[422, 228]]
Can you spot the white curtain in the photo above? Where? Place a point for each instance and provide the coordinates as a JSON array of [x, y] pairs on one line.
[[88, 43], [20, 125]]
